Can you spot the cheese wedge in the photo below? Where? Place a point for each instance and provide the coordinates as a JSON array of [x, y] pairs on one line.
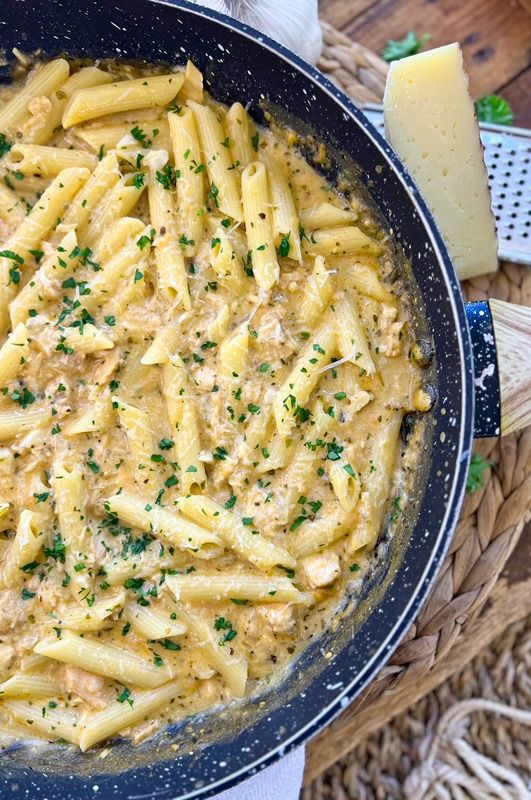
[[430, 123]]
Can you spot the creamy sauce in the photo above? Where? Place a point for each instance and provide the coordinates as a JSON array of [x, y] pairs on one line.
[[279, 487]]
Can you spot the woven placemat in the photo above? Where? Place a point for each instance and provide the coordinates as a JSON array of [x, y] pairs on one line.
[[493, 517], [423, 749]]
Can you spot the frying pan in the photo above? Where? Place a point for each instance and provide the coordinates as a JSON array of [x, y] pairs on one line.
[[210, 753]]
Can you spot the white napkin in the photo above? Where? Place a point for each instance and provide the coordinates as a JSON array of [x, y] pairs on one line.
[[293, 23], [282, 781]]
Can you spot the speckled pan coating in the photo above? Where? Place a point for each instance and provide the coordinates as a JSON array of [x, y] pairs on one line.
[[240, 64]]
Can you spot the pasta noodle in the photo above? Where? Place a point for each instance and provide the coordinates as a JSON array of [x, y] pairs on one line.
[[204, 368]]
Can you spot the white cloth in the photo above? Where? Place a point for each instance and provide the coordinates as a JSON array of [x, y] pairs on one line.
[[293, 23], [282, 780]]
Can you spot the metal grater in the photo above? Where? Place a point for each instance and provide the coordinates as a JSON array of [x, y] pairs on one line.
[[508, 160]]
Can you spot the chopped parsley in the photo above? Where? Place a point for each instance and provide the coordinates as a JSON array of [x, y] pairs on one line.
[[284, 246], [138, 180], [58, 549], [125, 696], [410, 45], [475, 479], [167, 176], [222, 624], [493, 108], [24, 398], [5, 145]]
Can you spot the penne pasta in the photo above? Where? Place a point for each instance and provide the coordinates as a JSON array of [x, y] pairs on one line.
[[233, 354], [166, 247], [162, 346], [103, 659], [13, 353], [12, 208], [55, 723], [232, 667], [29, 538], [12, 422], [224, 190], [85, 339], [325, 215], [42, 288], [47, 162], [43, 82], [24, 685], [285, 219], [69, 496], [296, 390], [241, 133], [81, 617], [226, 263], [119, 201], [374, 497], [250, 545], [155, 91], [316, 294], [215, 588], [153, 624], [172, 525], [140, 705], [352, 341], [41, 129], [191, 192], [137, 425], [105, 176], [30, 233], [104, 138], [348, 240], [259, 225]]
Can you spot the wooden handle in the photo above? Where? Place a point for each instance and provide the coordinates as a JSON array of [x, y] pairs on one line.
[[512, 329]]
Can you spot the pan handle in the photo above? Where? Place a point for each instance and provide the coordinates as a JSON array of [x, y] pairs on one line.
[[501, 343]]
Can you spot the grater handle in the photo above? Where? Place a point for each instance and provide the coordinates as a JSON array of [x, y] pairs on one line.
[[512, 332], [501, 343]]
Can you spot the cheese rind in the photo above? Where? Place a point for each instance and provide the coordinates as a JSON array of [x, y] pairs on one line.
[[430, 122]]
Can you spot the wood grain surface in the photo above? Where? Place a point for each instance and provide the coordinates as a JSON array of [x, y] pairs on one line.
[[495, 36]]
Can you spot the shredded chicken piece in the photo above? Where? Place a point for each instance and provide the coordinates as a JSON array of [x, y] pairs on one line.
[[281, 618], [391, 330], [88, 687], [13, 610], [7, 657], [321, 569]]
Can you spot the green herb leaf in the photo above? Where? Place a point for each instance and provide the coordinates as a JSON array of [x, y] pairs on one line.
[[125, 696], [58, 549], [5, 145], [408, 46], [475, 479], [138, 180], [493, 108], [24, 398], [284, 246]]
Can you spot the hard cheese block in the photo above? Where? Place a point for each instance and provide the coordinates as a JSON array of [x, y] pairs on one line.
[[430, 122]]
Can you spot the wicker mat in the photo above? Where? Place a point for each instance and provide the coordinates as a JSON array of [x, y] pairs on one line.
[[491, 522], [437, 741]]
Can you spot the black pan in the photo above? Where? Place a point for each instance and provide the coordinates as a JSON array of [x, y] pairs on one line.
[[214, 752]]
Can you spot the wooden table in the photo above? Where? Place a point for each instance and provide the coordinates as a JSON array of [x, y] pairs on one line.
[[495, 36], [496, 39]]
